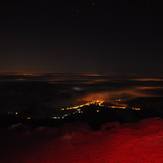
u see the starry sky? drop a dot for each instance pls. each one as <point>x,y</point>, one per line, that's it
<point>114,37</point>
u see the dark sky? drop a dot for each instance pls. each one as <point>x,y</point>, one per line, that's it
<point>99,36</point>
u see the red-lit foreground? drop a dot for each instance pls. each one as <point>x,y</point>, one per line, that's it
<point>132,143</point>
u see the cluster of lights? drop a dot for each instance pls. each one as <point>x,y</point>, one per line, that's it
<point>136,108</point>
<point>96,102</point>
<point>125,107</point>
<point>62,117</point>
<point>78,109</point>
<point>117,104</point>
<point>120,104</point>
<point>21,115</point>
<point>118,107</point>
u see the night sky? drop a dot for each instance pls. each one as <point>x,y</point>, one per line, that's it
<point>114,37</point>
